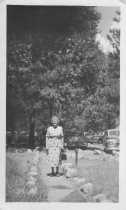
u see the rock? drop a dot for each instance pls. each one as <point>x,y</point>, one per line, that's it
<point>71,173</point>
<point>64,167</point>
<point>98,152</point>
<point>29,151</point>
<point>32,173</point>
<point>99,198</point>
<point>31,178</point>
<point>115,153</point>
<point>37,148</point>
<point>32,191</point>
<point>87,188</point>
<point>16,150</point>
<point>30,183</point>
<point>80,180</point>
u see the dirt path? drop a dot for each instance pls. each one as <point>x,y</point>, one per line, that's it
<point>58,187</point>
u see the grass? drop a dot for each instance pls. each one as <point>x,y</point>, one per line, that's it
<point>16,172</point>
<point>74,196</point>
<point>103,174</point>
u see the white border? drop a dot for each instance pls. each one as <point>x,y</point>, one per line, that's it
<point>64,2</point>
<point>122,181</point>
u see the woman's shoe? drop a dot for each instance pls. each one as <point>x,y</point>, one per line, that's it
<point>57,174</point>
<point>51,174</point>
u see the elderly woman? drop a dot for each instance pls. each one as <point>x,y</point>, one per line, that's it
<point>54,144</point>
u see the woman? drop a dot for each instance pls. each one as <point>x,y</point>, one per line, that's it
<point>54,144</point>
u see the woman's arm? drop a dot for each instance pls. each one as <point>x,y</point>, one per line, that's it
<point>47,139</point>
<point>62,138</point>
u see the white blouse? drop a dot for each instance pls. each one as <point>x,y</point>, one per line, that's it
<point>51,137</point>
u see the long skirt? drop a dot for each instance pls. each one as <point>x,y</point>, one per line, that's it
<point>53,156</point>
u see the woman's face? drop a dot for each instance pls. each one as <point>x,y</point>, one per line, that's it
<point>55,123</point>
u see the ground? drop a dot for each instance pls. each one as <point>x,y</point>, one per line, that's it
<point>17,165</point>
<point>102,170</point>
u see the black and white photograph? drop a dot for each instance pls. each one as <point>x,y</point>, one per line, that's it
<point>62,103</point>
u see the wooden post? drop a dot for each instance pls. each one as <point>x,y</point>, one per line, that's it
<point>76,156</point>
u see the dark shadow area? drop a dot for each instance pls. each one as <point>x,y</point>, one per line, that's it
<point>54,175</point>
<point>93,148</point>
<point>61,187</point>
<point>86,148</point>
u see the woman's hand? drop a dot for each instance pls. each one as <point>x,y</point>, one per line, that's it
<point>47,152</point>
<point>60,136</point>
<point>61,149</point>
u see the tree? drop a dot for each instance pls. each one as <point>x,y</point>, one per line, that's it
<point>102,108</point>
<point>54,71</point>
<point>114,67</point>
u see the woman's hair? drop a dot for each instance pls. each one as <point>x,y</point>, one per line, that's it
<point>55,119</point>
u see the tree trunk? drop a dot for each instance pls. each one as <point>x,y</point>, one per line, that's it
<point>109,121</point>
<point>32,128</point>
<point>51,109</point>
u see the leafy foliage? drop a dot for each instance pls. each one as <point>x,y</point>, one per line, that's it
<point>60,72</point>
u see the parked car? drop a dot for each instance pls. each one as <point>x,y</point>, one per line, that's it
<point>91,137</point>
<point>95,138</point>
<point>100,137</point>
<point>112,140</point>
<point>75,139</point>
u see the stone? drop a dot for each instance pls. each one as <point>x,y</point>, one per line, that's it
<point>64,166</point>
<point>87,188</point>
<point>29,151</point>
<point>36,148</point>
<point>32,191</point>
<point>31,178</point>
<point>80,180</point>
<point>30,183</point>
<point>115,153</point>
<point>32,173</point>
<point>98,152</point>
<point>71,173</point>
<point>98,197</point>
